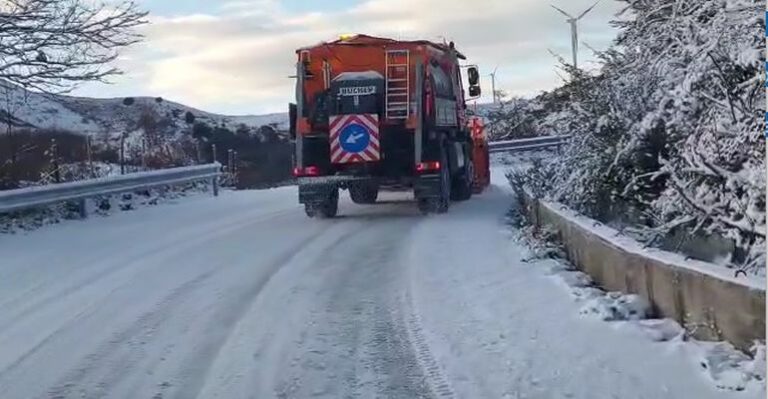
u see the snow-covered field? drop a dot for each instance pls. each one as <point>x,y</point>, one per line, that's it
<point>241,296</point>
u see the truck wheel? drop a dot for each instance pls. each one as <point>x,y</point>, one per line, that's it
<point>310,210</point>
<point>330,207</point>
<point>461,189</point>
<point>444,201</point>
<point>427,205</point>
<point>327,209</point>
<point>364,193</point>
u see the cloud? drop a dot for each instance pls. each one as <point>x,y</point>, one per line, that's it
<point>238,57</point>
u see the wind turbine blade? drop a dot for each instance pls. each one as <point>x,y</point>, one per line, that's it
<point>587,10</point>
<point>495,69</point>
<point>592,49</point>
<point>562,12</point>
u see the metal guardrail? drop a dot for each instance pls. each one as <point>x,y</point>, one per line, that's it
<point>529,144</point>
<point>35,197</point>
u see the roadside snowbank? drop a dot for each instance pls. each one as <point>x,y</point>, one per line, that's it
<point>724,365</point>
<point>22,221</point>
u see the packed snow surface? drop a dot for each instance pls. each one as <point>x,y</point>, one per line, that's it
<point>242,296</point>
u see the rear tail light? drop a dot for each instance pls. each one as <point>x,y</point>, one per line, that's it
<point>430,166</point>
<point>312,171</point>
<point>306,172</point>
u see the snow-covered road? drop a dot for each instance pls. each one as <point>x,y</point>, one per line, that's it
<point>244,297</point>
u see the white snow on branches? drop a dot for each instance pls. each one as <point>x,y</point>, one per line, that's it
<point>669,134</point>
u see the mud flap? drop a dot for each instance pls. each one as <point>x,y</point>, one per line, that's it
<point>458,158</point>
<point>316,193</point>
<point>427,186</point>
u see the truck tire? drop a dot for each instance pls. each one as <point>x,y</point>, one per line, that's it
<point>427,205</point>
<point>461,189</point>
<point>310,210</point>
<point>327,209</point>
<point>364,193</point>
<point>443,202</point>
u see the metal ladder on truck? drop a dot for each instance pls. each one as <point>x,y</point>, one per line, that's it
<point>397,84</point>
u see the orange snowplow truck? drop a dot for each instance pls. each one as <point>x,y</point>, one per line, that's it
<point>374,113</point>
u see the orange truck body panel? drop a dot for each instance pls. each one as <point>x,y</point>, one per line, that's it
<point>362,53</point>
<point>480,154</point>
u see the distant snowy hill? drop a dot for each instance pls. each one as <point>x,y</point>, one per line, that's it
<point>111,117</point>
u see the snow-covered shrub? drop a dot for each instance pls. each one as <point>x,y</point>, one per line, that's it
<point>542,243</point>
<point>727,367</point>
<point>513,119</point>
<point>536,179</point>
<point>668,135</point>
<point>14,222</point>
<point>615,306</point>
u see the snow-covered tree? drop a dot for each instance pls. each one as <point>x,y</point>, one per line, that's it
<point>512,118</point>
<point>670,132</point>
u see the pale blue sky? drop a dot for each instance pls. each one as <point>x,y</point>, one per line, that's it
<point>234,56</point>
<point>183,7</point>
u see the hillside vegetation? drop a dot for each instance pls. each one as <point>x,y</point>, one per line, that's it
<point>668,136</point>
<point>44,132</point>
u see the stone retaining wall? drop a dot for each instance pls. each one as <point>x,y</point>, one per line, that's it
<point>708,299</point>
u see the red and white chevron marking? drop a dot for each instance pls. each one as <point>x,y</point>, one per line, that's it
<point>371,153</point>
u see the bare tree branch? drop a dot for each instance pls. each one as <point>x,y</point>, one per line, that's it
<point>54,45</point>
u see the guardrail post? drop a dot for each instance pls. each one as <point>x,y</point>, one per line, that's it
<point>234,167</point>
<point>144,153</point>
<point>89,153</point>
<point>215,180</point>
<point>83,208</point>
<point>122,154</point>
<point>230,163</point>
<point>55,161</point>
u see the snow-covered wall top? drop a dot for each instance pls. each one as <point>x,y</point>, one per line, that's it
<point>756,282</point>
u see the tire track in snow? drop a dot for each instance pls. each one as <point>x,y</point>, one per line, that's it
<point>187,241</point>
<point>255,360</point>
<point>327,326</point>
<point>74,320</point>
<point>100,359</point>
<point>436,380</point>
<point>438,383</point>
<point>117,357</point>
<point>356,343</point>
<point>198,365</point>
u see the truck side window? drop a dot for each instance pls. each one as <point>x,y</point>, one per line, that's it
<point>443,84</point>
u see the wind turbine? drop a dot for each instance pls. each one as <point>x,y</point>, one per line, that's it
<point>493,83</point>
<point>575,31</point>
